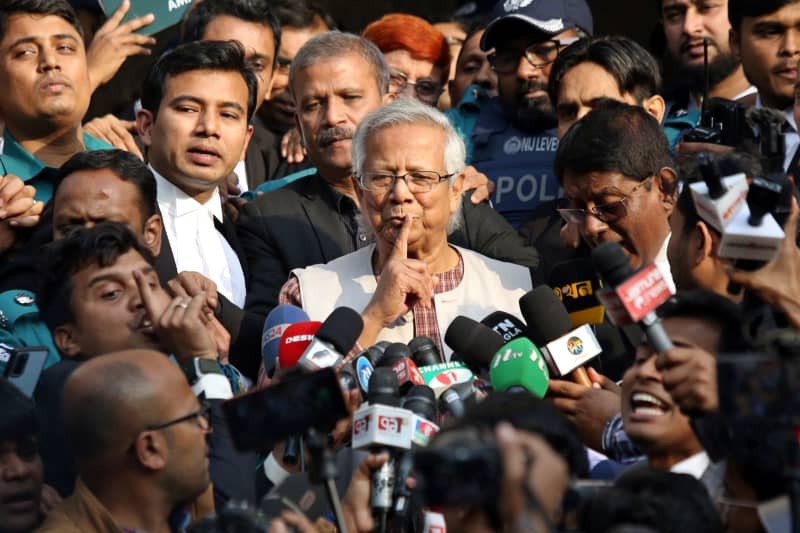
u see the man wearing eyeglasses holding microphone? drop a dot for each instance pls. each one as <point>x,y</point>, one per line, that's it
<point>514,137</point>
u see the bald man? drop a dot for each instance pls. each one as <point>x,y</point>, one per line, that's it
<point>140,441</point>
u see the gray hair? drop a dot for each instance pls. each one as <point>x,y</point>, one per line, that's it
<point>410,111</point>
<point>334,45</point>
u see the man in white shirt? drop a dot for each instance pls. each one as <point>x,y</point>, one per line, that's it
<point>197,102</point>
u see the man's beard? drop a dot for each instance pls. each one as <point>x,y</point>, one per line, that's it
<point>533,114</point>
<point>692,77</point>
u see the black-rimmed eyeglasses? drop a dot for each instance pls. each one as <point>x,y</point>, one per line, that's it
<point>539,55</point>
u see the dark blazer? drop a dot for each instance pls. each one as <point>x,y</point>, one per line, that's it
<point>263,161</point>
<point>290,228</point>
<point>244,354</point>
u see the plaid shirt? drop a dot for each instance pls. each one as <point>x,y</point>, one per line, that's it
<point>425,323</point>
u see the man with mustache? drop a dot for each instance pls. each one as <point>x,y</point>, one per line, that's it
<point>686,24</point>
<point>337,79</point>
<point>514,139</point>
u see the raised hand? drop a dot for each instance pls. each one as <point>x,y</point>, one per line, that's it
<point>181,325</point>
<point>403,283</point>
<point>114,42</point>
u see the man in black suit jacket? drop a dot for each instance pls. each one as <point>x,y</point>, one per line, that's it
<point>197,102</point>
<point>337,79</point>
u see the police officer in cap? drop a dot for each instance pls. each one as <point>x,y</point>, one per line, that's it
<point>514,137</point>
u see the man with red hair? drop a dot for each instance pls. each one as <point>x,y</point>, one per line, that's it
<point>417,53</point>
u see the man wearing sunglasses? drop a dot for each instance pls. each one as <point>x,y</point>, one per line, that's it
<point>514,138</point>
<point>140,439</point>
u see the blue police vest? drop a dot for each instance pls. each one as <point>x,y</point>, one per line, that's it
<point>520,164</point>
<point>20,326</point>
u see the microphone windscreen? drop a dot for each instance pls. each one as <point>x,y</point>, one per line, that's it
<point>575,283</point>
<point>294,341</point>
<point>341,329</point>
<point>475,342</point>
<point>393,352</point>
<point>384,388</point>
<point>611,263</point>
<point>274,325</point>
<point>424,351</point>
<point>421,400</point>
<point>545,314</point>
<point>505,324</point>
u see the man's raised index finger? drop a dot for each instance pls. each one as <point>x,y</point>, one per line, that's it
<point>401,244</point>
<point>147,295</point>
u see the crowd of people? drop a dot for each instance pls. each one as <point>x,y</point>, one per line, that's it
<point>496,272</point>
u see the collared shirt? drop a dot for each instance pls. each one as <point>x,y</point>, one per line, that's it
<point>19,162</point>
<point>196,244</point>
<point>662,262</point>
<point>349,217</point>
<point>241,176</point>
<point>425,323</point>
<point>695,465</point>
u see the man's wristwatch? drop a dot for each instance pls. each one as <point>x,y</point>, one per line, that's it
<point>207,380</point>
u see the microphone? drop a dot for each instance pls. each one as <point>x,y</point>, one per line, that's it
<point>550,327</point>
<point>473,341</point>
<point>504,324</point>
<point>421,401</point>
<point>518,365</point>
<point>717,199</point>
<point>640,293</point>
<point>336,336</point>
<point>575,283</point>
<point>274,325</point>
<point>382,425</point>
<point>294,341</point>
<point>363,367</point>
<point>424,351</point>
<point>398,357</point>
<point>452,400</point>
<point>753,233</point>
<point>444,375</point>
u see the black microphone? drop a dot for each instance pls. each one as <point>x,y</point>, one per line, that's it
<point>505,324</point>
<point>398,357</point>
<point>548,320</point>
<point>452,401</point>
<point>474,342</point>
<point>420,400</point>
<point>612,264</point>
<point>384,390</point>
<point>336,336</point>
<point>424,351</point>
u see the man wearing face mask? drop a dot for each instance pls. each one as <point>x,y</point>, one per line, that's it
<point>514,137</point>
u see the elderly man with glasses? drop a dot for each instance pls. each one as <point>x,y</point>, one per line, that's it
<point>411,281</point>
<point>514,139</point>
